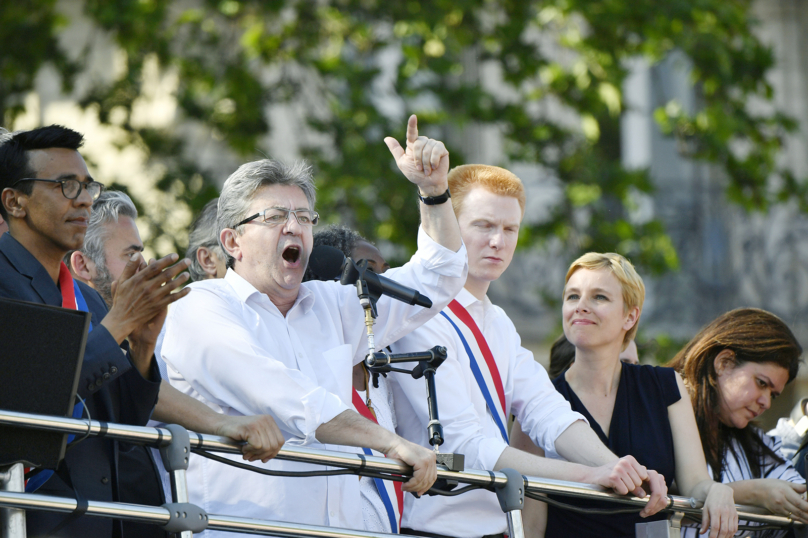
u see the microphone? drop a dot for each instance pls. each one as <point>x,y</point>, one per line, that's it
<point>326,262</point>
<point>329,263</point>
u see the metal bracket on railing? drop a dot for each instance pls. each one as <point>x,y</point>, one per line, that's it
<point>185,517</point>
<point>12,520</point>
<point>676,524</point>
<point>666,528</point>
<point>511,498</point>
<point>175,459</point>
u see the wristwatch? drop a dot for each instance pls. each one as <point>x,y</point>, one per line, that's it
<point>435,200</point>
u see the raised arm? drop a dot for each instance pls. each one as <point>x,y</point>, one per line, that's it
<point>425,162</point>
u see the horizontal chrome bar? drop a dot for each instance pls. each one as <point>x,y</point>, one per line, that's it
<point>161,437</point>
<point>135,512</point>
<point>291,530</point>
<point>160,516</point>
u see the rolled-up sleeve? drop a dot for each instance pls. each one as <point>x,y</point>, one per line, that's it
<point>543,413</point>
<point>217,353</point>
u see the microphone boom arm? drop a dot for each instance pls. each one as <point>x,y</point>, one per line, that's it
<point>380,362</point>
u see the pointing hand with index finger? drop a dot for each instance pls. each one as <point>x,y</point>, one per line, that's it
<point>425,162</point>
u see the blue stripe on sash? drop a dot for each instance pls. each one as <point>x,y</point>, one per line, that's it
<point>388,505</point>
<point>81,304</point>
<point>478,375</point>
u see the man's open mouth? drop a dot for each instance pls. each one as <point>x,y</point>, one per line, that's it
<point>291,254</point>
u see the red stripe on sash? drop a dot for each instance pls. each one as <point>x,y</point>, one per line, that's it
<point>362,409</point>
<point>66,287</point>
<point>462,314</point>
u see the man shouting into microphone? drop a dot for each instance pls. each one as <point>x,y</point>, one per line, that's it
<point>260,342</point>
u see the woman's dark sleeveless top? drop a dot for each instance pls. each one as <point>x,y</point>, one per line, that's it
<point>640,428</point>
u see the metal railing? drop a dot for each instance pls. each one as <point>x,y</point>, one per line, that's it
<point>500,482</point>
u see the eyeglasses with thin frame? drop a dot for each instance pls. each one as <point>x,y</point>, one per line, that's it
<point>71,188</point>
<point>274,216</point>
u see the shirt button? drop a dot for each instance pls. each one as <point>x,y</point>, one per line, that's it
<point>104,479</point>
<point>333,513</point>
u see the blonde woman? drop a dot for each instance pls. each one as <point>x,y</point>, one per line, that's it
<point>634,409</point>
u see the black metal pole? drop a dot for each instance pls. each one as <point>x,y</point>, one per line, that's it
<point>434,428</point>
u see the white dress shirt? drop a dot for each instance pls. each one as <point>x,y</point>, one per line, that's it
<point>227,345</point>
<point>468,427</point>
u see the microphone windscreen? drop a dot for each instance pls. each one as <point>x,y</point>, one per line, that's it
<point>326,262</point>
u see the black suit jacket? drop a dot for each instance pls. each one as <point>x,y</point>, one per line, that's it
<point>113,391</point>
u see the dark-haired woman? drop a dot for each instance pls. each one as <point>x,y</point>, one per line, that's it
<point>733,368</point>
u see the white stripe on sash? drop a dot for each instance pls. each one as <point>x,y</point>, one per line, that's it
<point>482,363</point>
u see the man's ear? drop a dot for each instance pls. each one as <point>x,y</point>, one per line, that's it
<point>82,267</point>
<point>230,241</point>
<point>206,260</point>
<point>724,361</point>
<point>15,203</point>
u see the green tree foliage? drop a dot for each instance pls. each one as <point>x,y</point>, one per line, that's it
<point>364,58</point>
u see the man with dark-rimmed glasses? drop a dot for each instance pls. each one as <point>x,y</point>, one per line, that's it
<point>47,193</point>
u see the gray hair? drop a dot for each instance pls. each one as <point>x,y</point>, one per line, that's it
<point>108,207</point>
<point>203,234</point>
<point>240,187</point>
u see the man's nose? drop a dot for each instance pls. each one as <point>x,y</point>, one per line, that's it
<point>84,198</point>
<point>291,226</point>
<point>495,241</point>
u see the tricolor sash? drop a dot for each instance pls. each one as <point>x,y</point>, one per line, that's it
<point>390,492</point>
<point>74,300</point>
<point>485,371</point>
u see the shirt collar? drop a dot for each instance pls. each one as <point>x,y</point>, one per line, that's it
<point>244,291</point>
<point>466,299</point>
